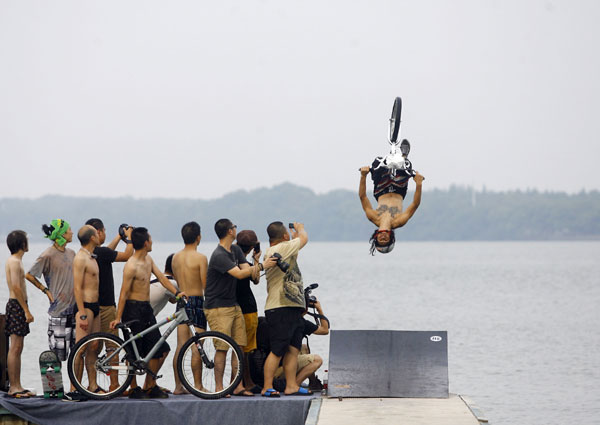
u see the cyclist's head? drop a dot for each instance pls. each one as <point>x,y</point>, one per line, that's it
<point>382,241</point>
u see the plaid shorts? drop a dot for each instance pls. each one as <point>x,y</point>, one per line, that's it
<point>61,335</point>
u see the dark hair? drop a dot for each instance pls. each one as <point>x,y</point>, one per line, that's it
<point>169,264</point>
<point>47,229</point>
<point>96,223</point>
<point>276,230</point>
<point>190,232</point>
<point>375,243</point>
<point>85,234</point>
<point>139,236</point>
<point>222,226</point>
<point>16,241</point>
<point>245,248</point>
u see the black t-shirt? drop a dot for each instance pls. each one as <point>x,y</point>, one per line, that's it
<point>245,297</point>
<point>220,285</point>
<point>105,258</point>
<point>309,327</point>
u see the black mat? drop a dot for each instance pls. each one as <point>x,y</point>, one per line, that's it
<point>176,410</point>
<point>388,364</point>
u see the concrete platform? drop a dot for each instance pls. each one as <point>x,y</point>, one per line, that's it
<point>406,411</point>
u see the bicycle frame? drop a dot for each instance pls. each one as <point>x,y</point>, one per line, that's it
<point>179,317</point>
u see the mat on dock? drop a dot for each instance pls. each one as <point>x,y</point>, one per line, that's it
<point>176,410</point>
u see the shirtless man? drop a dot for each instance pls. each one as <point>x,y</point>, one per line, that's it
<point>87,309</point>
<point>389,191</point>
<point>134,304</point>
<point>18,316</point>
<point>189,270</point>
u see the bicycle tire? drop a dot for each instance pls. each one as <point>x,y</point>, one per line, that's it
<point>395,120</point>
<point>88,343</point>
<point>231,377</point>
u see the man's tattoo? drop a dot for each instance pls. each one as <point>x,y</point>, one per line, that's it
<point>384,208</point>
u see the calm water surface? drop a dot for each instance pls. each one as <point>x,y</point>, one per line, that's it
<point>522,317</point>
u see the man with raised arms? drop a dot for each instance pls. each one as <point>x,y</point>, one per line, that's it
<point>18,316</point>
<point>189,269</point>
<point>389,191</point>
<point>134,304</point>
<point>87,309</point>
<point>105,257</point>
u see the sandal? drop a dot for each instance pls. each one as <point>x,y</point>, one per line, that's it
<point>22,394</point>
<point>272,393</point>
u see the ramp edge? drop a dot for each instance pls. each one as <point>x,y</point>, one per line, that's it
<point>312,418</point>
<point>475,410</point>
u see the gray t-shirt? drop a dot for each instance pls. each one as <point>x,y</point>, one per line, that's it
<point>57,268</point>
<point>220,285</point>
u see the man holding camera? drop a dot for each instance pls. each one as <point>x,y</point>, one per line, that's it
<point>285,306</point>
<point>228,264</point>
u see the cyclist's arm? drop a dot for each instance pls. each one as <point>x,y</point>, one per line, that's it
<point>412,208</point>
<point>364,200</point>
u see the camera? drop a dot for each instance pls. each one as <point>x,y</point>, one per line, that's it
<point>291,226</point>
<point>308,298</point>
<point>283,266</point>
<point>122,229</point>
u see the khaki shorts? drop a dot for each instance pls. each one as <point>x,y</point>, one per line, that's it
<point>108,313</point>
<point>303,361</point>
<point>227,320</point>
<point>251,321</point>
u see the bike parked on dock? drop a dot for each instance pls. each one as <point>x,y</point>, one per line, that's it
<point>196,364</point>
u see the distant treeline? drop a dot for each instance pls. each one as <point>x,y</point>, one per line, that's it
<point>459,213</point>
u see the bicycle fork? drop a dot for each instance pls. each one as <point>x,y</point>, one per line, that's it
<point>205,360</point>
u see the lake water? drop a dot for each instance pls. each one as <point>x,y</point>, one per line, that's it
<point>522,317</point>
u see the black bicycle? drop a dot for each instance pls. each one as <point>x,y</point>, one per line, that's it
<point>102,365</point>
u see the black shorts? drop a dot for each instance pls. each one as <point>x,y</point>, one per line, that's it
<point>385,182</point>
<point>142,312</point>
<point>286,327</point>
<point>16,323</point>
<point>94,307</point>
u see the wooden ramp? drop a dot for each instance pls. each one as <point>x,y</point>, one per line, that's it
<point>406,411</point>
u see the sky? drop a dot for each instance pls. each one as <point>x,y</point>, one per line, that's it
<point>196,99</point>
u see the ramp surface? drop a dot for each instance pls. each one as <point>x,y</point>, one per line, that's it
<point>388,364</point>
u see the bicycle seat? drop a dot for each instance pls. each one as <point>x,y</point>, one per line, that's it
<point>126,325</point>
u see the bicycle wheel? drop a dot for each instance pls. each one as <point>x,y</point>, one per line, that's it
<point>223,362</point>
<point>87,371</point>
<point>395,120</point>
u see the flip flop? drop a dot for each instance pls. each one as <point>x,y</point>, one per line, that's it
<point>272,393</point>
<point>99,390</point>
<point>243,393</point>
<point>22,394</point>
<point>302,391</point>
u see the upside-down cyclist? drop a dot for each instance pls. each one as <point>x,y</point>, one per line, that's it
<point>389,189</point>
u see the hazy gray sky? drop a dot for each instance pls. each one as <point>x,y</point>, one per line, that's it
<point>197,99</point>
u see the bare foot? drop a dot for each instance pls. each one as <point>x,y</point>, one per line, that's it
<point>180,391</point>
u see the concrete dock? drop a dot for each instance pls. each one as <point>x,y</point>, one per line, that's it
<point>453,410</point>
